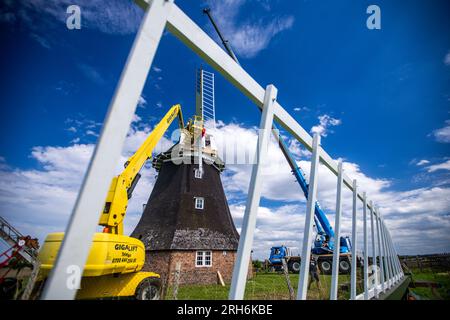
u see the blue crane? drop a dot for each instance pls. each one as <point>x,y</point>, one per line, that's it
<point>324,242</point>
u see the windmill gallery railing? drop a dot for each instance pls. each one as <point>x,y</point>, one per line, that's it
<point>164,14</point>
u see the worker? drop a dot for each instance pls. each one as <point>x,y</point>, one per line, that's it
<point>189,125</point>
<point>325,242</point>
<point>313,273</point>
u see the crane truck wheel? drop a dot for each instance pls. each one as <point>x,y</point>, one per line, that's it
<point>148,289</point>
<point>294,266</point>
<point>344,266</point>
<point>325,266</point>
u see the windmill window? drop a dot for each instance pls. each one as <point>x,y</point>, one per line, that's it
<point>203,259</point>
<point>198,174</point>
<point>199,203</point>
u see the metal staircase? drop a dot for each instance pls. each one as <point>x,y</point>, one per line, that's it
<point>17,240</point>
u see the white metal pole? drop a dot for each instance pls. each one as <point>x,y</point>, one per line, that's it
<point>388,256</point>
<point>366,249</point>
<point>354,269</point>
<point>399,264</point>
<point>89,204</point>
<point>337,236</point>
<point>396,260</point>
<point>381,253</point>
<point>374,251</point>
<point>240,270</point>
<point>385,253</point>
<point>391,255</point>
<point>309,219</point>
<point>386,268</point>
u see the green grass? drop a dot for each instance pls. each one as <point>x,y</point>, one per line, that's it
<point>264,286</point>
<point>443,278</point>
<point>272,286</point>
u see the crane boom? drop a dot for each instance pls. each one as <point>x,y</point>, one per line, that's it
<point>122,186</point>
<point>323,225</point>
<point>230,52</point>
<point>321,221</point>
<point>319,215</point>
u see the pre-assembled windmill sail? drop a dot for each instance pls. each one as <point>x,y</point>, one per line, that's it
<point>204,98</point>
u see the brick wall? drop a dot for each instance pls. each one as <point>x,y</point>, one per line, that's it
<point>164,263</point>
<point>157,261</point>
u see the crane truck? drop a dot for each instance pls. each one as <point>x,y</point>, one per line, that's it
<point>324,242</point>
<point>115,261</point>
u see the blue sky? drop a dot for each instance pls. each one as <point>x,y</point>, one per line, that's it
<point>380,98</point>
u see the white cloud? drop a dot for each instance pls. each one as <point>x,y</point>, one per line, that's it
<point>39,201</point>
<point>417,218</point>
<point>247,37</point>
<point>91,133</point>
<point>91,73</point>
<point>41,40</point>
<point>298,109</point>
<point>447,59</point>
<point>156,69</point>
<point>441,166</point>
<point>325,122</point>
<point>422,162</point>
<point>82,129</point>
<point>117,17</point>
<point>282,225</point>
<point>443,134</point>
<point>142,102</point>
<point>136,118</point>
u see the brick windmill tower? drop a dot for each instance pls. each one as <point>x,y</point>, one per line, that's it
<point>187,219</point>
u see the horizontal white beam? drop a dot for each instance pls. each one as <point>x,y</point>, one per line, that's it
<point>181,26</point>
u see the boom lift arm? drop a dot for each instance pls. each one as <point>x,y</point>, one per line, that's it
<point>122,186</point>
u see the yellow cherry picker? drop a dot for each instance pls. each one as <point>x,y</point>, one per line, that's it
<point>113,268</point>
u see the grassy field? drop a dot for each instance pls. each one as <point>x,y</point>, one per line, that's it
<point>264,286</point>
<point>272,286</point>
<point>443,278</point>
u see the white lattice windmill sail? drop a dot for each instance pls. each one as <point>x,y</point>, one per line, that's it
<point>205,103</point>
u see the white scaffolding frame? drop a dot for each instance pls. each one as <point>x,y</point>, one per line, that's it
<point>164,14</point>
<point>337,236</point>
